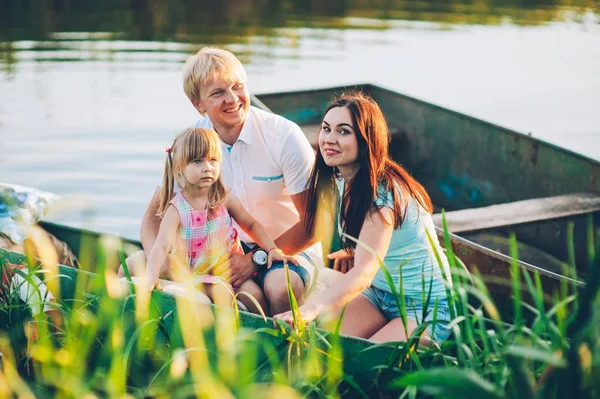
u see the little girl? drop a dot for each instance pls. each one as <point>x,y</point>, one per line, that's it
<point>196,224</point>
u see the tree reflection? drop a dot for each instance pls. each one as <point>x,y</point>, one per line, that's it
<point>183,20</point>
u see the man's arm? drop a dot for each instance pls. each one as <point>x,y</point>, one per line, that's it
<point>293,241</point>
<point>150,223</point>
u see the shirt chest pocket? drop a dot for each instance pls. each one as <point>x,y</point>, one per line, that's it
<point>266,186</point>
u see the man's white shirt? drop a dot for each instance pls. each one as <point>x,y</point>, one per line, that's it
<point>270,161</point>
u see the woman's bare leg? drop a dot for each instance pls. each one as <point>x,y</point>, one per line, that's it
<point>394,331</point>
<point>361,318</point>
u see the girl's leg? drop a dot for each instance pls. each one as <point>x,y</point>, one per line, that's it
<point>395,331</point>
<point>361,318</point>
<point>221,294</point>
<point>136,263</point>
<point>253,289</point>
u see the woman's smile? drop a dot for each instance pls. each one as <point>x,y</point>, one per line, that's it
<point>330,152</point>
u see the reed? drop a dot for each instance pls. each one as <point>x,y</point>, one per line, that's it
<point>112,340</point>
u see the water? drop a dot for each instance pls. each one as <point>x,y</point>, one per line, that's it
<point>90,95</point>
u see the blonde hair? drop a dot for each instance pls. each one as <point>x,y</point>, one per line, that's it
<point>189,145</point>
<point>208,63</point>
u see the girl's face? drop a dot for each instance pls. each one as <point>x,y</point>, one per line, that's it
<point>337,141</point>
<point>202,173</point>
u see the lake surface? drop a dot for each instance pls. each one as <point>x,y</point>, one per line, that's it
<point>90,95</point>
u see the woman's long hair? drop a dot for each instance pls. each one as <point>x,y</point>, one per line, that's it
<point>189,145</point>
<point>377,174</point>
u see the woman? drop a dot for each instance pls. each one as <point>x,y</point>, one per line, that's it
<point>388,211</point>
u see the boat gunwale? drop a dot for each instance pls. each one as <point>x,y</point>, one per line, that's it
<point>438,107</point>
<point>505,258</point>
<point>463,241</point>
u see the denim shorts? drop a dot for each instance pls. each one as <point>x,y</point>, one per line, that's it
<point>299,270</point>
<point>385,302</point>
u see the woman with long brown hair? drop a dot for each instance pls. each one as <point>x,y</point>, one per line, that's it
<point>383,213</point>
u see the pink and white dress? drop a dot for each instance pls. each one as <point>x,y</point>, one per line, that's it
<point>206,237</point>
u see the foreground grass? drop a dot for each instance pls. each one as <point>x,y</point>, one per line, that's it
<point>111,340</point>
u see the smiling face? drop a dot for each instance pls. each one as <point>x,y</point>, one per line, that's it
<point>226,101</point>
<point>337,141</point>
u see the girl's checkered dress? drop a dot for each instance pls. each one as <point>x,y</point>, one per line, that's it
<point>206,236</point>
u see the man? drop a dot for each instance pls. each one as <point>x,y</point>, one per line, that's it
<point>266,164</point>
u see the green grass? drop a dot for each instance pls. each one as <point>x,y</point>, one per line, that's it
<point>113,342</point>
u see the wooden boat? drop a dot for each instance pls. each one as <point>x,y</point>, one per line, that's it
<point>490,181</point>
<point>363,362</point>
<point>472,169</point>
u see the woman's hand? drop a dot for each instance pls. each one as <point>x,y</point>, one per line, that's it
<point>277,254</point>
<point>343,261</point>
<point>307,314</point>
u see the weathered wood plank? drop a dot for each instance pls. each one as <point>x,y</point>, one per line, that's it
<point>520,212</point>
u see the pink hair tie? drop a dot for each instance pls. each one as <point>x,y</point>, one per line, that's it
<point>169,150</point>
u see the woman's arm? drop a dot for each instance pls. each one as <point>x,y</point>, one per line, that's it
<point>375,234</point>
<point>296,238</point>
<point>165,240</point>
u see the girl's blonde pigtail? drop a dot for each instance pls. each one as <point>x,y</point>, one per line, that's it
<point>166,191</point>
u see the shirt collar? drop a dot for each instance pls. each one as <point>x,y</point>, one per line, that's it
<point>246,132</point>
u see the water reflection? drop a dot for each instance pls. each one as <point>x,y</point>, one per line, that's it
<point>166,31</point>
<point>198,20</point>
<point>90,91</point>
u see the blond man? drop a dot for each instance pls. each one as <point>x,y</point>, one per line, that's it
<point>266,164</point>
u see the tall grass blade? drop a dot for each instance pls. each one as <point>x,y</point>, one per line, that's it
<point>450,383</point>
<point>591,249</point>
<point>583,314</point>
<point>516,279</point>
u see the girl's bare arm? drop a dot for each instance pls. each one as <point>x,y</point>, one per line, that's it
<point>165,241</point>
<point>250,225</point>
<point>256,231</point>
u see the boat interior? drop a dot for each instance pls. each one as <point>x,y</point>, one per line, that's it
<point>489,181</point>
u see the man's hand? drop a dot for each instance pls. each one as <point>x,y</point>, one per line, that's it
<point>240,269</point>
<point>343,261</point>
